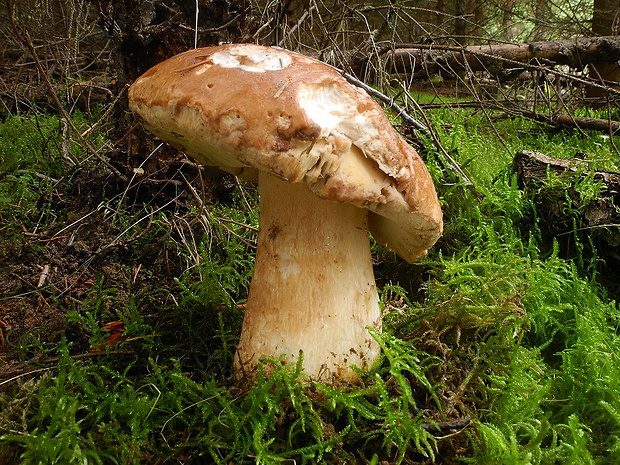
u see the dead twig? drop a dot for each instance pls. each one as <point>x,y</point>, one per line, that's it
<point>43,277</point>
<point>27,42</point>
<point>14,375</point>
<point>443,427</point>
<point>3,328</point>
<point>105,115</point>
<point>444,156</point>
<point>208,217</point>
<point>401,113</point>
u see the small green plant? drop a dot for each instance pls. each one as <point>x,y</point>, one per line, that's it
<point>35,153</point>
<point>506,330</point>
<point>96,412</point>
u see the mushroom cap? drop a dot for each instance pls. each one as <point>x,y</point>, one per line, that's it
<point>247,108</point>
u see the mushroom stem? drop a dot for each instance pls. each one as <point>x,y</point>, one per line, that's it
<point>313,287</point>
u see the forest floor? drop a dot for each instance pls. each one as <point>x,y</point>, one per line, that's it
<point>121,301</point>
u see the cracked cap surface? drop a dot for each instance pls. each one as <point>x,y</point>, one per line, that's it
<point>247,108</point>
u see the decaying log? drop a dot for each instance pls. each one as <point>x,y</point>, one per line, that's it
<point>423,60</point>
<point>532,167</point>
<point>580,122</point>
<point>559,207</point>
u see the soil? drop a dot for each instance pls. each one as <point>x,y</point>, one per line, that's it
<point>45,274</point>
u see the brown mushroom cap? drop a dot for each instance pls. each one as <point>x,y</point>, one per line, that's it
<point>247,108</point>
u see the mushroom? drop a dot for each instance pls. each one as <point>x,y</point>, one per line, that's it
<point>329,168</point>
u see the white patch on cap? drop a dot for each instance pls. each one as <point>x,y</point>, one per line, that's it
<point>253,59</point>
<point>350,144</point>
<point>335,111</point>
<point>326,105</point>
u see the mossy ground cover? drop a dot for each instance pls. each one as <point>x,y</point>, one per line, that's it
<point>498,347</point>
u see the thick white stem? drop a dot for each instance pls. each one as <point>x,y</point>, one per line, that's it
<point>313,287</point>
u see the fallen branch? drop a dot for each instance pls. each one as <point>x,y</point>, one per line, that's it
<point>558,119</point>
<point>423,60</point>
<point>443,427</point>
<point>386,100</point>
<point>447,161</point>
<point>579,122</point>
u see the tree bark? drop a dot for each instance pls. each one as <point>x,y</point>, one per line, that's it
<point>604,23</point>
<point>422,60</point>
<point>460,25</point>
<point>507,23</point>
<point>542,13</point>
<point>145,32</point>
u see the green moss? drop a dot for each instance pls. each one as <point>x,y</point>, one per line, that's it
<point>505,330</point>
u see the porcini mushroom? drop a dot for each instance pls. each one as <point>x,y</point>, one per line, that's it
<point>329,167</point>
